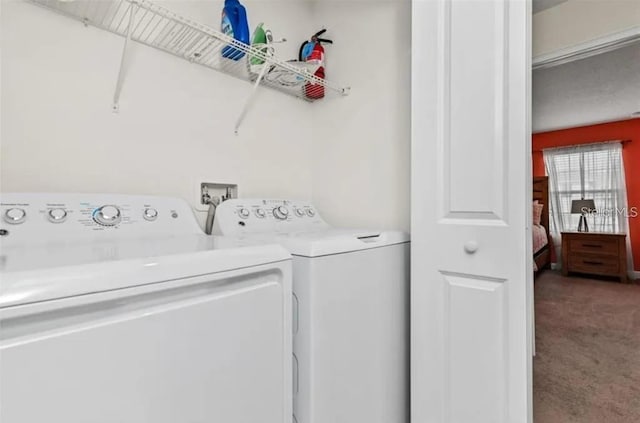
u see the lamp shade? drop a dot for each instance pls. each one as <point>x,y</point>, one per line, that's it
<point>582,206</point>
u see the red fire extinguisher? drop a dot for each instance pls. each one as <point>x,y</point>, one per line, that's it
<point>312,51</point>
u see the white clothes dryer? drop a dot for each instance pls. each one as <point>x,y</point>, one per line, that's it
<point>120,309</point>
<point>351,310</point>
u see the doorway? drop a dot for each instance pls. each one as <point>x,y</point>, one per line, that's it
<point>587,328</point>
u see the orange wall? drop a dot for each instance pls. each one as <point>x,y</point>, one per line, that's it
<point>621,130</point>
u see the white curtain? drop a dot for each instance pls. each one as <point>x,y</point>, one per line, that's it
<point>591,171</point>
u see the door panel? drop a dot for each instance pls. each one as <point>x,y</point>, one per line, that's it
<point>476,146</point>
<point>471,247</point>
<point>475,316</point>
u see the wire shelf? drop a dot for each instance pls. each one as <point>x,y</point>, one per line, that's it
<point>160,28</point>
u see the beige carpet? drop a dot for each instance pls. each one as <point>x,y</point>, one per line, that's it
<point>587,366</point>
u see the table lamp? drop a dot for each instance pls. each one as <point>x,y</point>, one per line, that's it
<point>582,207</point>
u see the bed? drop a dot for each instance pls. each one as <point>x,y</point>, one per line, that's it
<point>541,237</point>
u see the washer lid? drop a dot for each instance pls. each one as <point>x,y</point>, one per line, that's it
<point>328,242</point>
<point>38,273</point>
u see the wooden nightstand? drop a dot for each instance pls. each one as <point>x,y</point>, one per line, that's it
<point>595,253</point>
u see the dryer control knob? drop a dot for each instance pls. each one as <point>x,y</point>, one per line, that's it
<point>57,215</point>
<point>299,212</point>
<point>150,214</point>
<point>107,215</point>
<point>281,212</point>
<point>261,213</point>
<point>244,213</point>
<point>15,216</point>
<point>311,212</point>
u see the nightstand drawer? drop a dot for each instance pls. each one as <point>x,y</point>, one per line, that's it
<point>595,245</point>
<point>593,263</point>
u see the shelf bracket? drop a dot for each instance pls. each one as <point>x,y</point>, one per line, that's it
<point>123,60</point>
<point>247,104</point>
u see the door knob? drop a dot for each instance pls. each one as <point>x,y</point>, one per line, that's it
<point>471,247</point>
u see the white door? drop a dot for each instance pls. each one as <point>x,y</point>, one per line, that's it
<point>471,249</point>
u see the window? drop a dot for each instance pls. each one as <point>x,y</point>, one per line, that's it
<point>593,171</point>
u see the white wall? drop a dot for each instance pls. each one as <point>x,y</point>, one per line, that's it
<point>175,125</point>
<point>578,21</point>
<point>540,5</point>
<point>361,168</point>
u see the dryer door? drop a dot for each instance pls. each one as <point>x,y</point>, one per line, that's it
<point>214,348</point>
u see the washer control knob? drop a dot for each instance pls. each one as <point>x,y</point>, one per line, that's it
<point>299,212</point>
<point>311,212</point>
<point>15,216</point>
<point>261,213</point>
<point>150,214</point>
<point>107,215</point>
<point>244,213</point>
<point>57,215</point>
<point>281,212</point>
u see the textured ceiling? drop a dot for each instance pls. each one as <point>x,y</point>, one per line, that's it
<point>600,88</point>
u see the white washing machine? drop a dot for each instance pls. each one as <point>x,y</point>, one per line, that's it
<point>119,309</point>
<point>351,310</point>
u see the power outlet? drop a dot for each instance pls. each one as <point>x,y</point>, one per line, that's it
<point>213,191</point>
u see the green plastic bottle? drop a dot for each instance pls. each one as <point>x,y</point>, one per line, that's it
<point>259,40</point>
